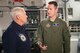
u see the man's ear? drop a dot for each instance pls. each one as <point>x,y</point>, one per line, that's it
<point>17,17</point>
<point>57,10</point>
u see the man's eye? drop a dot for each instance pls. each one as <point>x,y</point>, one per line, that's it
<point>50,9</point>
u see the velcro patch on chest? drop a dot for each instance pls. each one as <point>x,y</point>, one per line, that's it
<point>22,37</point>
<point>56,24</point>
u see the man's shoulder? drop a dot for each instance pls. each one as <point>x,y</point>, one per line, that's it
<point>61,21</point>
<point>44,21</point>
<point>8,31</point>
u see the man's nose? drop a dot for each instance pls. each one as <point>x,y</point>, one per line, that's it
<point>26,16</point>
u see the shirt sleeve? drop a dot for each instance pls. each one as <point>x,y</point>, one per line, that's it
<point>9,42</point>
<point>66,39</point>
<point>39,33</point>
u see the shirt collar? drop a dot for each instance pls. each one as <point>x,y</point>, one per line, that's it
<point>17,26</point>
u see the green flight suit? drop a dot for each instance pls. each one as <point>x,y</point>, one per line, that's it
<point>55,35</point>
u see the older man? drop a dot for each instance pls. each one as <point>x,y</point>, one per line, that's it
<point>14,38</point>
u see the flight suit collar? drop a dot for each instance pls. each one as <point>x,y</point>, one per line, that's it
<point>54,20</point>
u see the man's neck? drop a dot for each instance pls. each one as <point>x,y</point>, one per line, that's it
<point>53,18</point>
<point>19,23</point>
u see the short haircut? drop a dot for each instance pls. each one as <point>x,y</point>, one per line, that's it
<point>54,3</point>
<point>15,11</point>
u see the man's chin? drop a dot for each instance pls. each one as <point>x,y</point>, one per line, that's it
<point>26,22</point>
<point>49,16</point>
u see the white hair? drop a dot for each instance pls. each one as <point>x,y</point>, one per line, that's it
<point>16,11</point>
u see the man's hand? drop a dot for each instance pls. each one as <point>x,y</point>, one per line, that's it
<point>43,47</point>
